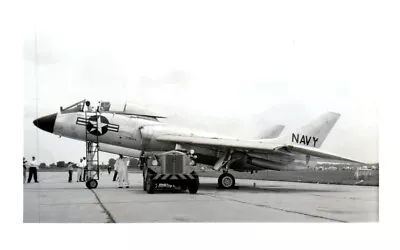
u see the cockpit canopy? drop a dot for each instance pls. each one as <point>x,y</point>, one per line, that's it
<point>105,106</point>
<point>76,107</point>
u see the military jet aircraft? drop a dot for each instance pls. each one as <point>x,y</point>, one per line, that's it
<point>135,130</point>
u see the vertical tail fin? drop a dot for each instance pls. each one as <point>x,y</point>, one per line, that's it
<point>314,133</point>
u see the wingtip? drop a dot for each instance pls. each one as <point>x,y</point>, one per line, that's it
<point>334,113</point>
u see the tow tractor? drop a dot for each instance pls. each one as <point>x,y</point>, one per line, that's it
<point>172,168</point>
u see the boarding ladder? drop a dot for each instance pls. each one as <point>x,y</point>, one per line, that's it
<point>92,169</point>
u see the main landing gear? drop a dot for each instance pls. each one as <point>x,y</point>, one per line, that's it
<point>226,181</point>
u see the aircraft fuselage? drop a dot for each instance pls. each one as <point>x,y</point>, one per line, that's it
<point>113,129</point>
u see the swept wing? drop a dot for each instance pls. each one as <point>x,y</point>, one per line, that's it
<point>251,146</point>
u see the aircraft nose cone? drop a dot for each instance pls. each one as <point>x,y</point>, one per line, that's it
<point>46,123</point>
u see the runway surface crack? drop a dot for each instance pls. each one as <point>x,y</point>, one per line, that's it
<point>109,215</point>
<point>276,208</point>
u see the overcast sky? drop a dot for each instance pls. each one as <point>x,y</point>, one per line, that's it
<point>233,68</point>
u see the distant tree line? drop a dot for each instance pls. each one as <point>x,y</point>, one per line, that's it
<point>111,162</point>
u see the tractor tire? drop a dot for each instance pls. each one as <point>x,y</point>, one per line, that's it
<point>194,185</point>
<point>150,185</point>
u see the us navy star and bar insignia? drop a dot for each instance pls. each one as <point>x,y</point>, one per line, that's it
<point>97,125</point>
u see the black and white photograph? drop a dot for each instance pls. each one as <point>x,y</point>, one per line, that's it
<point>200,112</point>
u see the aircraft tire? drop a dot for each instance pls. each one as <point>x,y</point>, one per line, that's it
<point>226,181</point>
<point>91,184</point>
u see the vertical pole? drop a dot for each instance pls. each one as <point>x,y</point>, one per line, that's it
<point>86,135</point>
<point>37,97</point>
<point>97,145</point>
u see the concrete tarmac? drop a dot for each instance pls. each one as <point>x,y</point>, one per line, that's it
<point>54,200</point>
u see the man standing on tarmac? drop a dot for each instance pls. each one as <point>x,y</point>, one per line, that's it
<point>25,162</point>
<point>79,171</point>
<point>33,167</point>
<point>85,167</point>
<point>122,167</point>
<point>115,172</point>
<point>70,171</point>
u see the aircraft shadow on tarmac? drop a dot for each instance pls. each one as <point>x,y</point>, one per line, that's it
<point>246,189</point>
<point>265,189</point>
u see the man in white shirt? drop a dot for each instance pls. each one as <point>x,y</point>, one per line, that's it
<point>33,167</point>
<point>79,171</point>
<point>84,166</point>
<point>121,166</point>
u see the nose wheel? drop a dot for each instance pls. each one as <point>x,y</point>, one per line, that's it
<point>226,181</point>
